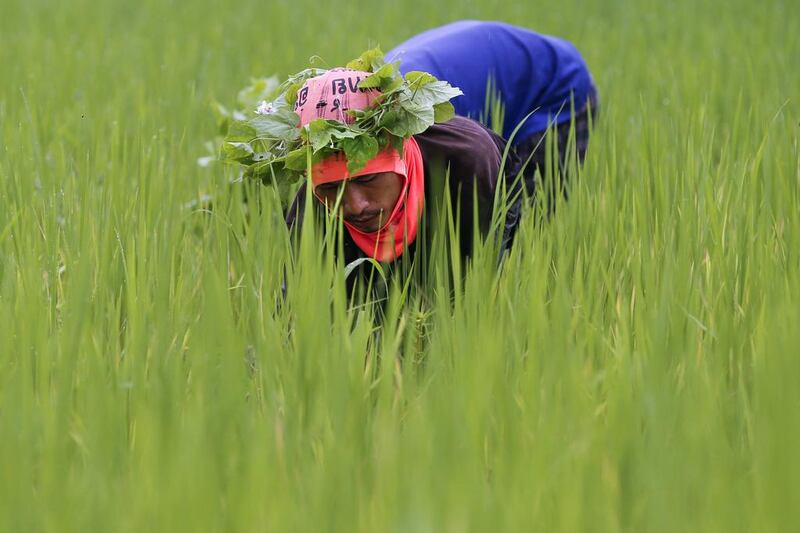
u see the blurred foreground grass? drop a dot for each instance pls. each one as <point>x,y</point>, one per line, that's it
<point>634,367</point>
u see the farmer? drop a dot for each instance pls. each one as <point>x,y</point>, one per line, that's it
<point>531,73</point>
<point>382,203</point>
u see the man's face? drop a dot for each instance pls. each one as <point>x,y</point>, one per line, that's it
<point>367,201</point>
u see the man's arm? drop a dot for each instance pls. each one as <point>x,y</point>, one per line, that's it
<point>474,156</point>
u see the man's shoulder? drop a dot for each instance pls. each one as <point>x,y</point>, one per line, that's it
<point>458,138</point>
<point>458,124</point>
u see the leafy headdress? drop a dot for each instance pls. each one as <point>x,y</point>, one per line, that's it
<point>272,145</point>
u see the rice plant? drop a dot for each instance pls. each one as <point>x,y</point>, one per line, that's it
<point>631,365</point>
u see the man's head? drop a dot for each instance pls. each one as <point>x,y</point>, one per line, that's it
<point>368,197</point>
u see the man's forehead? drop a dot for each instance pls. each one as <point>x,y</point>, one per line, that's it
<point>355,179</point>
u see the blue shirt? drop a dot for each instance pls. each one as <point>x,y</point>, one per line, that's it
<point>529,71</point>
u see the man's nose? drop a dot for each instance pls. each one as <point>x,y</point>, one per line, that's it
<point>354,201</point>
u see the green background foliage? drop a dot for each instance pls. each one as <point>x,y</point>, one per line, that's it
<point>634,366</point>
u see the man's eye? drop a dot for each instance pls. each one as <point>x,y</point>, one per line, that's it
<point>365,179</point>
<point>326,189</point>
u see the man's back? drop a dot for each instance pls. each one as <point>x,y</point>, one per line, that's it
<point>529,70</point>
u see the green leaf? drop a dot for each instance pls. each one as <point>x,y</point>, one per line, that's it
<point>360,114</point>
<point>359,150</point>
<point>237,151</point>
<point>384,78</point>
<point>291,92</point>
<point>275,175</point>
<point>390,84</point>
<point>418,78</point>
<point>319,133</point>
<point>396,142</point>
<point>391,121</point>
<point>322,132</point>
<point>281,125</point>
<point>345,131</point>
<point>443,112</point>
<point>415,110</point>
<point>240,130</point>
<point>418,118</point>
<point>370,61</point>
<point>322,154</point>
<point>265,171</point>
<point>410,118</point>
<point>296,159</point>
<point>237,145</point>
<point>433,93</point>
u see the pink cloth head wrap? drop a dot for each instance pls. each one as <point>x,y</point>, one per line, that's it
<point>331,94</point>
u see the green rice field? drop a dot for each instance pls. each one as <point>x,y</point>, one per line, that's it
<point>633,366</point>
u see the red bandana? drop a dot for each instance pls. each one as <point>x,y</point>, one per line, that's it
<point>400,229</point>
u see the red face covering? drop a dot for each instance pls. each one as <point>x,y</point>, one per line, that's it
<point>400,229</point>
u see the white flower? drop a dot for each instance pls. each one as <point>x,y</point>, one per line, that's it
<point>265,108</point>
